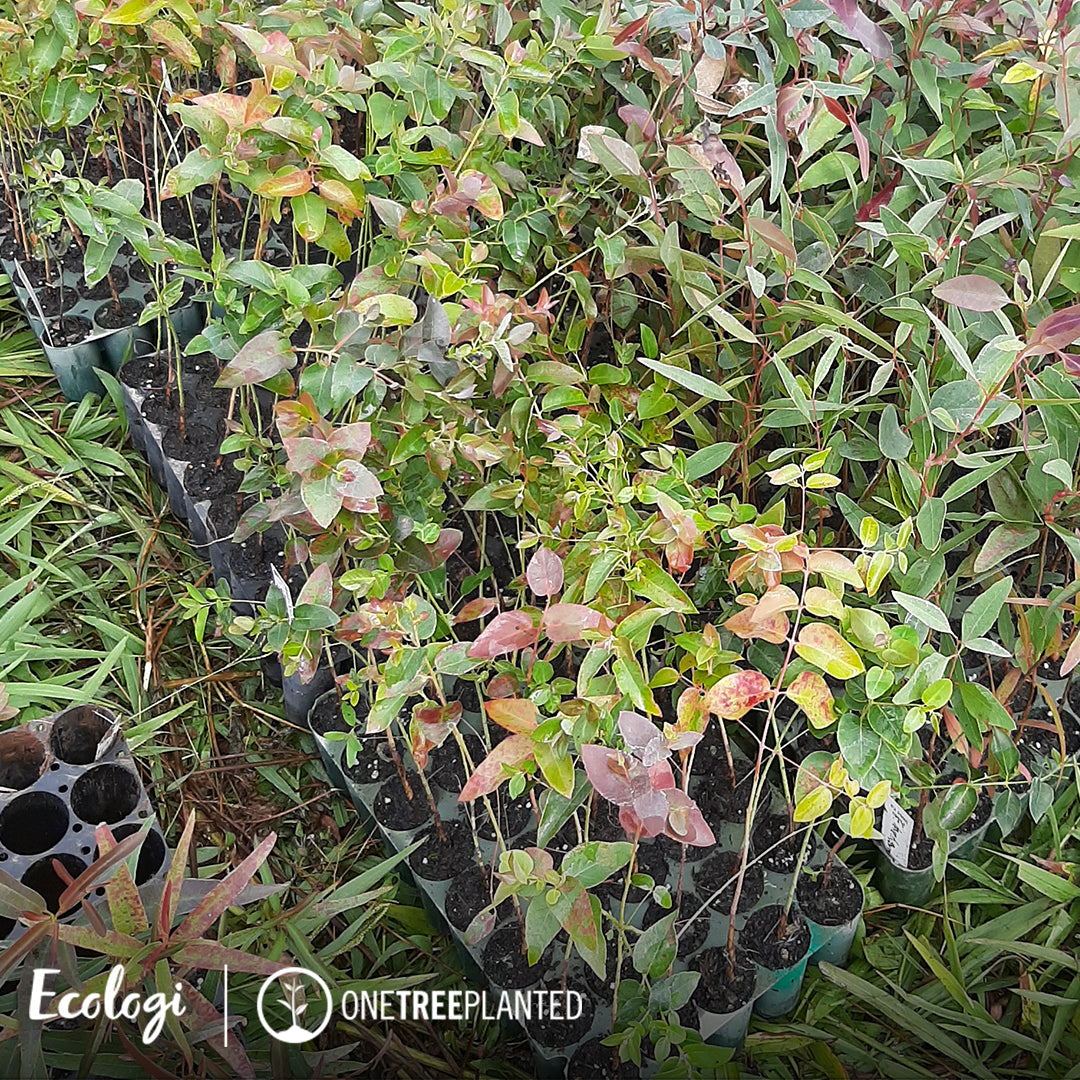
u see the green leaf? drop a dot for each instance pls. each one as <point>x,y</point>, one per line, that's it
<point>556,765</point>
<point>651,580</point>
<point>309,216</point>
<point>698,384</point>
<point>654,950</point>
<point>930,521</point>
<point>928,613</point>
<point>819,644</point>
<point>957,804</point>
<point>1005,540</point>
<point>895,443</point>
<point>983,611</point>
<point>708,460</point>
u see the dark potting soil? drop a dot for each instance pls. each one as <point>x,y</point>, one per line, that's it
<point>212,479</point>
<point>604,823</point>
<point>920,853</point>
<point>469,893</point>
<point>557,1033</point>
<point>504,962</point>
<point>515,815</point>
<point>499,533</point>
<point>718,874</point>
<point>393,809</point>
<point>201,441</point>
<point>833,904</point>
<point>145,372</point>
<point>779,844</point>
<point>445,765</point>
<point>113,316</point>
<point>102,290</point>
<point>440,856</point>
<point>68,330</point>
<point>594,1061</point>
<point>760,937</point>
<point>604,989</point>
<point>253,557</point>
<point>375,762</point>
<point>724,988</point>
<point>691,934</point>
<point>326,715</point>
<point>223,515</point>
<point>564,840</point>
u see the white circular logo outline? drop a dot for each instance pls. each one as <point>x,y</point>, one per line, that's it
<point>287,1035</point>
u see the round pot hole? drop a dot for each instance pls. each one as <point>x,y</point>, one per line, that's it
<point>107,793</point>
<point>33,823</point>
<point>151,854</point>
<point>76,734</point>
<point>22,759</point>
<point>47,883</point>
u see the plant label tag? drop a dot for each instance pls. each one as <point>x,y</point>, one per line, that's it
<point>896,829</point>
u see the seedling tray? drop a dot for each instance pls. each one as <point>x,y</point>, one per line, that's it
<point>60,777</point>
<point>372,781</point>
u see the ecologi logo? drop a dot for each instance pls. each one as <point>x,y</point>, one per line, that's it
<point>283,1005</point>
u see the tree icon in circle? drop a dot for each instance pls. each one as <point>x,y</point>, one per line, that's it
<point>291,986</point>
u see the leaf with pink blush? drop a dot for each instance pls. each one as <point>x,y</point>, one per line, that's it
<point>355,438</point>
<point>319,587</point>
<point>609,773</point>
<point>685,822</point>
<point>475,609</point>
<point>518,715</point>
<point>1057,332</point>
<point>972,292</point>
<point>861,27</point>
<point>506,633</point>
<point>566,622</point>
<point>304,454</point>
<point>544,572</point>
<point>513,752</point>
<point>636,114</point>
<point>811,693</point>
<point>736,694</point>
<point>643,738</point>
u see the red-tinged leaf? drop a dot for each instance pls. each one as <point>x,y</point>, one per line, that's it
<point>220,898</point>
<point>95,874</point>
<point>448,542</point>
<point>174,880</point>
<point>831,564</point>
<point>1058,331</point>
<point>545,572</point>
<point>110,943</point>
<point>121,893</point>
<point>357,485</point>
<point>319,588</point>
<point>736,694</point>
<point>355,438</point>
<point>16,952</point>
<point>609,771</point>
<point>513,752</point>
<point>862,148</point>
<point>212,956</point>
<point>861,27</point>
<point>474,609</point>
<point>972,292</point>
<point>1072,657</point>
<point>811,693</point>
<point>506,633</point>
<point>264,356</point>
<point>981,76</point>
<point>296,182</point>
<point>341,199</point>
<point>773,236</point>
<point>209,1020</point>
<point>819,644</point>
<point>305,454</point>
<point>502,686</point>
<point>566,622</point>
<point>871,210</point>
<point>480,927</point>
<point>749,624</point>
<point>518,715</point>
<point>636,114</point>
<point>1070,364</point>
<point>685,822</point>
<point>632,29</point>
<point>583,925</point>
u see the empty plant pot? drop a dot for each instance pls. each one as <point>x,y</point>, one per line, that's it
<point>78,733</point>
<point>832,909</point>
<point>106,793</point>
<point>781,958</point>
<point>33,823</point>
<point>725,994</point>
<point>48,884</point>
<point>22,759</point>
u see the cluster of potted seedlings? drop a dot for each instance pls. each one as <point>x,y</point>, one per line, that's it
<point>60,777</point>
